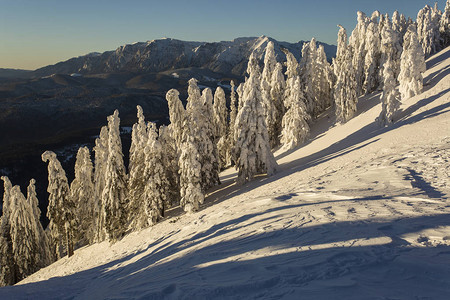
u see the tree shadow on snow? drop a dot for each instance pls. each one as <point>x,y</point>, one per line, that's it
<point>294,261</point>
<point>443,55</point>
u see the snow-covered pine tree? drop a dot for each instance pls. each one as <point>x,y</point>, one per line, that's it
<point>396,22</point>
<point>308,73</point>
<point>114,194</point>
<point>8,272</point>
<point>390,47</point>
<point>200,118</point>
<point>252,139</point>
<point>138,143</point>
<point>277,90</point>
<point>270,62</point>
<point>44,252</point>
<point>61,208</point>
<point>345,89</point>
<point>24,235</point>
<point>428,29</point>
<point>33,200</point>
<point>137,182</point>
<point>191,190</point>
<point>436,16</point>
<point>291,65</point>
<point>220,126</point>
<point>412,65</point>
<point>208,149</point>
<point>323,82</point>
<point>101,157</point>
<point>156,190</point>
<point>170,163</point>
<point>207,110</point>
<point>267,101</point>
<point>390,98</point>
<point>372,58</point>
<point>444,26</point>
<point>341,52</point>
<point>358,43</point>
<point>82,194</point>
<point>295,122</point>
<point>233,113</point>
<point>177,114</point>
<point>171,140</point>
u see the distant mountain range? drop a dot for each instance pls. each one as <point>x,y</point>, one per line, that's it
<point>225,57</point>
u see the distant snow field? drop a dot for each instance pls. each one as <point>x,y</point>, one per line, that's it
<point>357,212</point>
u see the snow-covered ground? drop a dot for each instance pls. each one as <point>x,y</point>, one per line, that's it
<point>360,212</point>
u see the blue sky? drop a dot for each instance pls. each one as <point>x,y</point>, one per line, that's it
<point>35,33</point>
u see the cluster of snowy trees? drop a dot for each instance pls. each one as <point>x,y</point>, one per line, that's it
<point>383,52</point>
<point>24,246</point>
<point>177,164</point>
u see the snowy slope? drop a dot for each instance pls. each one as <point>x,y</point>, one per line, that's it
<point>360,212</point>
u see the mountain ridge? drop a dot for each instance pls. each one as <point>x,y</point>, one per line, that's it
<point>227,57</point>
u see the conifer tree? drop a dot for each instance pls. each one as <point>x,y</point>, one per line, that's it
<point>267,101</point>
<point>114,205</point>
<point>252,139</point>
<point>428,20</point>
<point>171,140</point>
<point>82,194</point>
<point>307,74</point>
<point>220,125</point>
<point>390,97</point>
<point>323,82</point>
<point>199,117</point>
<point>396,22</point>
<point>277,91</point>
<point>177,114</point>
<point>136,180</point>
<point>44,252</point>
<point>170,162</point>
<point>191,190</point>
<point>138,143</point>
<point>412,65</point>
<point>231,129</point>
<point>295,121</point>
<point>341,48</point>
<point>358,43</point>
<point>33,200</point>
<point>61,208</point>
<point>291,65</point>
<point>390,47</point>
<point>8,272</point>
<point>444,26</point>
<point>345,89</point>
<point>24,235</point>
<point>156,190</point>
<point>101,157</point>
<point>372,58</point>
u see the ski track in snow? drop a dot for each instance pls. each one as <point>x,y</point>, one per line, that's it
<point>359,212</point>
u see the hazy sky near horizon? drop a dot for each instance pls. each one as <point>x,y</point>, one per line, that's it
<point>36,33</point>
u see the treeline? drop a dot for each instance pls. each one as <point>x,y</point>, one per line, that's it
<point>176,164</point>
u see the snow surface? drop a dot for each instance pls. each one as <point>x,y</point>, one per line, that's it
<point>359,212</point>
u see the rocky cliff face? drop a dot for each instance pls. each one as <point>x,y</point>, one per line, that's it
<point>226,57</point>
